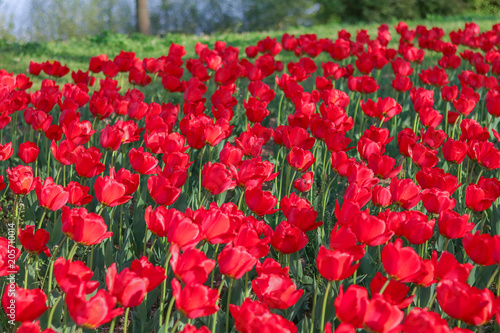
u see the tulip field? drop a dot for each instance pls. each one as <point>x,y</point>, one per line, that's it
<point>301,183</point>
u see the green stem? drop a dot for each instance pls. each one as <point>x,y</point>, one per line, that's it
<point>214,319</point>
<point>125,323</point>
<point>169,312</point>
<point>73,251</point>
<point>446,244</point>
<point>325,300</point>
<point>164,290</point>
<point>41,220</point>
<point>213,270</point>
<point>490,281</point>
<point>51,314</point>
<point>381,122</point>
<point>291,182</point>
<point>381,292</point>
<point>314,304</point>
<point>246,284</point>
<point>175,325</point>
<point>229,289</point>
<point>112,326</point>
<point>199,173</point>
<point>26,270</point>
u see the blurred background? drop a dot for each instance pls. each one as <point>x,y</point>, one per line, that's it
<point>39,20</point>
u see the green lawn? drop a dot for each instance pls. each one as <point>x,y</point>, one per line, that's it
<point>15,57</point>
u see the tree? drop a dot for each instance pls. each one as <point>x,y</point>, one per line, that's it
<point>143,21</point>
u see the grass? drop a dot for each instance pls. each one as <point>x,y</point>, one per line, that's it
<point>15,56</point>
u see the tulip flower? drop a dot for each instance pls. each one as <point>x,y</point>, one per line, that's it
<point>350,305</point>
<point>448,268</point>
<point>110,192</point>
<point>191,267</point>
<point>142,162</point>
<point>71,275</point>
<point>21,180</point>
<point>253,316</point>
<point>381,316</point>
<point>28,152</point>
<point>34,242</point>
<point>463,302</point>
<point>78,194</point>
<point>260,202</point>
<point>29,304</point>
<point>276,290</point>
<point>216,178</point>
<point>50,195</point>
<point>195,300</point>
<point>235,261</point>
<point>400,263</point>
<point>84,227</point>
<point>479,247</point>
<point>6,151</point>
<point>288,238</point>
<point>8,257</point>
<point>335,265</point>
<point>127,286</point>
<point>83,311</point>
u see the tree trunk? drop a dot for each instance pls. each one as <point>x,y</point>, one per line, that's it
<point>143,22</point>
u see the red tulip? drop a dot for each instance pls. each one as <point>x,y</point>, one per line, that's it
<point>276,290</point>
<point>8,257</point>
<point>142,162</point>
<point>28,152</point>
<point>50,195</point>
<point>381,316</point>
<point>300,159</point>
<point>162,191</point>
<point>288,238</point>
<point>400,263</point>
<point>127,178</point>
<point>78,194</point>
<point>452,225</point>
<point>34,242</point>
<point>335,265</point>
<point>73,275</point>
<point>381,196</point>
<point>350,306</point>
<point>260,202</point>
<point>405,193</point>
<point>448,268</point>
<point>477,199</point>
<point>128,288</point>
<point>436,201</point>
<point>6,151</point>
<point>192,267</point>
<point>21,179</point>
<point>395,293</point>
<point>195,300</point>
<point>235,261</point>
<point>463,302</point>
<point>111,137</point>
<point>110,192</point>
<point>253,316</point>
<point>22,304</point>
<point>92,313</point>
<point>217,178</point>
<point>67,152</point>
<point>454,151</point>
<point>87,163</point>
<point>29,327</point>
<point>479,247</point>
<point>84,227</point>
<point>146,270</point>
<point>424,321</point>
